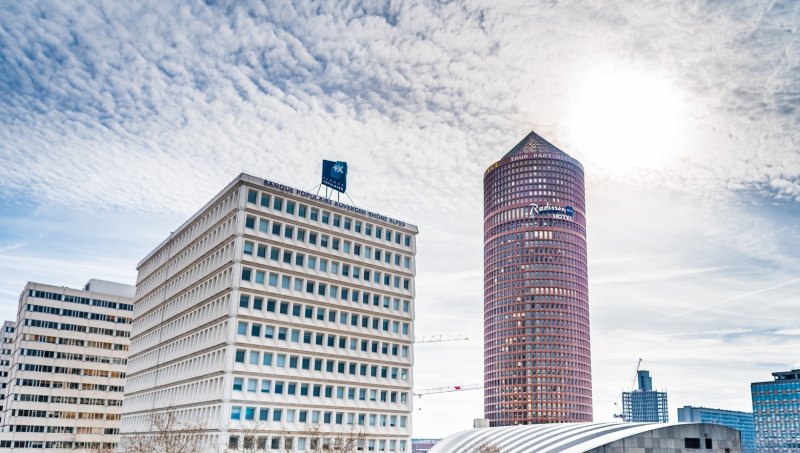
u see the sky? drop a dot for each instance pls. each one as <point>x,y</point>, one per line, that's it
<point>120,120</point>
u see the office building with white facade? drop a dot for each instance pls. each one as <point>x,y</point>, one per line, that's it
<point>66,375</point>
<point>273,313</point>
<point>9,327</point>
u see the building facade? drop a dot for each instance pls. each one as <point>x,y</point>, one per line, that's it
<point>740,421</point>
<point>537,363</point>
<point>67,373</point>
<point>276,319</point>
<point>6,353</point>
<point>776,413</point>
<point>645,405</point>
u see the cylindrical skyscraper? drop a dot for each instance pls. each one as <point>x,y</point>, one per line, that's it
<point>537,362</point>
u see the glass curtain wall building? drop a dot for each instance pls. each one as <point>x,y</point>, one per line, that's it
<point>537,364</point>
<point>776,412</point>
<point>740,421</point>
<point>645,405</point>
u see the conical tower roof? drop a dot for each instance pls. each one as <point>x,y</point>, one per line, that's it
<point>534,143</point>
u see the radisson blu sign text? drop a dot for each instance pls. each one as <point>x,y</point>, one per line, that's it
<point>559,212</point>
<point>334,175</point>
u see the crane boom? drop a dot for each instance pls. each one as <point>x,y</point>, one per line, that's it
<point>636,375</point>
<point>440,338</point>
<point>452,388</point>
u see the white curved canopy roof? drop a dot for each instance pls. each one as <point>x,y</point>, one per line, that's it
<point>549,438</point>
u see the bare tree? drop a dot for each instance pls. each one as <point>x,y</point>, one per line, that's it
<point>347,440</point>
<point>167,435</point>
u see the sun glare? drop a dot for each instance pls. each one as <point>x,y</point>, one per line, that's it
<point>625,121</point>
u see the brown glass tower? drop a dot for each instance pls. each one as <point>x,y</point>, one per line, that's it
<point>537,362</point>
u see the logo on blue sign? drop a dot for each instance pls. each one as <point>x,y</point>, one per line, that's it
<point>334,175</point>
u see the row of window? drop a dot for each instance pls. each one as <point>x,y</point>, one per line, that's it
<point>77,314</point>
<point>296,284</point>
<point>255,357</point>
<point>264,414</point>
<point>255,385</point>
<point>79,300</point>
<point>64,414</point>
<point>365,297</point>
<point>74,342</point>
<point>314,444</point>
<point>58,399</point>
<point>320,339</point>
<point>72,371</point>
<point>76,328</point>
<point>61,444</point>
<point>73,356</point>
<point>325,217</point>
<point>62,429</point>
<point>69,385</point>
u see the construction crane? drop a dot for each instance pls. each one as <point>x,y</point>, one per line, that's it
<point>441,338</point>
<point>636,375</point>
<point>621,414</point>
<point>452,388</point>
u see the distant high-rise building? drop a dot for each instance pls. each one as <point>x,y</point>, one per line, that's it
<point>537,363</point>
<point>741,421</point>
<point>6,353</point>
<point>275,319</point>
<point>776,413</point>
<point>67,372</point>
<point>645,405</point>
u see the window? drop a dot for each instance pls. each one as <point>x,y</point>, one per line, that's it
<point>236,414</point>
<point>287,257</point>
<point>323,241</point>
<point>260,277</point>
<point>233,441</point>
<point>263,225</point>
<point>237,384</point>
<point>254,357</point>
<point>274,253</point>
<point>691,442</point>
<point>378,232</point>
<point>277,204</point>
<point>241,328</point>
<point>312,238</point>
<point>273,279</point>
<point>244,301</point>
<point>276,228</point>
<point>335,244</point>
<point>265,200</point>
<point>288,231</point>
<point>246,274</point>
<point>314,214</point>
<point>347,223</point>
<point>326,216</point>
<point>298,259</point>
<point>248,248</point>
<point>312,262</point>
<point>301,210</point>
<point>250,222</point>
<point>262,251</point>
<point>337,220</point>
<point>408,240</point>
<point>301,235</point>
<point>290,210</point>
<point>252,196</point>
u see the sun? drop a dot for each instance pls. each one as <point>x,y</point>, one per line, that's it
<point>625,120</point>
